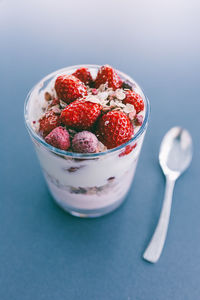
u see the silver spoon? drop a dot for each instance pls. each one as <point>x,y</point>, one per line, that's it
<point>174,157</point>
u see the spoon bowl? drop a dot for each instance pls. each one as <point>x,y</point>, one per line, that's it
<point>175,152</point>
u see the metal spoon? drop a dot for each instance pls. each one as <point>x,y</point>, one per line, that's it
<point>174,157</point>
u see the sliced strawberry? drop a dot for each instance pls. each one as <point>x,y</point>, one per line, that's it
<point>128,149</point>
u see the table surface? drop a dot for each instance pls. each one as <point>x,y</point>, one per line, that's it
<point>46,253</point>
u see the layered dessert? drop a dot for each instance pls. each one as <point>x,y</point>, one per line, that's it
<point>88,125</point>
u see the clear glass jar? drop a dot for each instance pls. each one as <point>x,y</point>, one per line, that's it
<point>85,185</point>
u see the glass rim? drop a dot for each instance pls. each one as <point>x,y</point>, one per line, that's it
<point>40,140</point>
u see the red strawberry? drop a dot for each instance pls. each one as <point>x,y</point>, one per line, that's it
<point>83,74</point>
<point>48,122</point>
<point>80,114</point>
<point>69,88</point>
<point>114,129</point>
<point>134,99</point>
<point>59,138</point>
<point>109,75</point>
<point>128,149</point>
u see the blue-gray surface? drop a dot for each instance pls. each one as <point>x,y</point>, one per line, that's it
<point>46,253</point>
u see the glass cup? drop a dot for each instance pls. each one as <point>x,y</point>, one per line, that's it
<point>85,185</point>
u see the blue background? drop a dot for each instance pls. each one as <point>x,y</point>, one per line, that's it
<point>46,253</point>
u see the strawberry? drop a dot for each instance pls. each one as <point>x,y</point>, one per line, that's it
<point>69,88</point>
<point>107,74</point>
<point>134,99</point>
<point>48,122</point>
<point>83,74</point>
<point>114,129</point>
<point>59,138</point>
<point>128,149</point>
<point>80,114</point>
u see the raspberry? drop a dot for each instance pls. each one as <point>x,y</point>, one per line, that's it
<point>114,129</point>
<point>85,142</point>
<point>59,138</point>
<point>134,99</point>
<point>107,74</point>
<point>48,122</point>
<point>138,120</point>
<point>80,114</point>
<point>69,88</point>
<point>83,74</point>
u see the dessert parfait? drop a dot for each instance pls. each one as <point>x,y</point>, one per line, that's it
<point>88,124</point>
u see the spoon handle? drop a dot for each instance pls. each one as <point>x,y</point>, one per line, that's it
<point>154,249</point>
